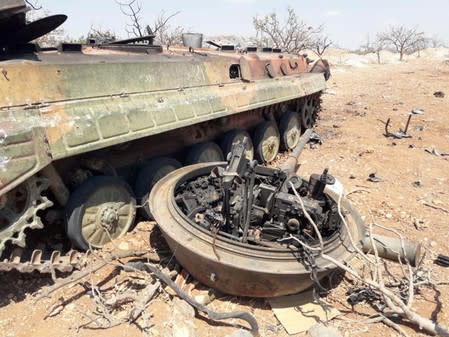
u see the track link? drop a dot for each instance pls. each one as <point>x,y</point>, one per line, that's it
<point>63,263</point>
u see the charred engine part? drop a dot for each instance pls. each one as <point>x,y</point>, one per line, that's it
<point>234,226</point>
<point>251,203</point>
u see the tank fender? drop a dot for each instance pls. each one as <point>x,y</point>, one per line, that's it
<point>23,152</point>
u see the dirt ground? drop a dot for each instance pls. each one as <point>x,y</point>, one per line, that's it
<point>414,172</point>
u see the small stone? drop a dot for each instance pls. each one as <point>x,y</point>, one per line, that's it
<point>205,297</point>
<point>389,216</point>
<point>183,314</point>
<point>417,183</point>
<point>183,329</point>
<point>439,94</point>
<point>182,309</point>
<point>240,333</point>
<point>419,127</point>
<point>271,328</point>
<point>374,178</point>
<point>352,176</point>
<point>320,330</point>
<point>123,246</point>
<point>433,244</point>
<point>419,223</point>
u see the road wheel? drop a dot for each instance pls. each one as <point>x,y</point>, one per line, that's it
<point>98,211</point>
<point>308,114</point>
<point>266,141</point>
<point>148,176</point>
<point>204,153</point>
<point>234,136</point>
<point>290,129</point>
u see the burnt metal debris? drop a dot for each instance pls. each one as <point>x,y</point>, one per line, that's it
<point>235,226</point>
<point>402,133</point>
<point>439,94</point>
<point>442,260</point>
<point>255,204</point>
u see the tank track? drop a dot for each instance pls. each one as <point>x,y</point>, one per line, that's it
<point>68,262</point>
<point>15,234</point>
<point>63,263</point>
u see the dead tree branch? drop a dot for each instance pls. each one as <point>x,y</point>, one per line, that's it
<point>292,35</point>
<point>320,43</point>
<point>215,316</point>
<point>101,35</point>
<point>436,207</point>
<point>88,271</point>
<point>393,301</point>
<point>160,28</point>
<point>132,9</point>
<point>142,303</point>
<point>164,33</point>
<point>34,5</point>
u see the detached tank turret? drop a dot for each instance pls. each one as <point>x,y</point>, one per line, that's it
<point>87,130</point>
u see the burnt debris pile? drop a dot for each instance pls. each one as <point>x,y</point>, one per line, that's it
<point>255,204</point>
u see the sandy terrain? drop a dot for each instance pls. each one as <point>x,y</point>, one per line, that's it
<point>361,96</point>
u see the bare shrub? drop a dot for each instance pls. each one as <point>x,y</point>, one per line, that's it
<point>291,35</point>
<point>160,28</point>
<point>404,40</point>
<point>375,46</point>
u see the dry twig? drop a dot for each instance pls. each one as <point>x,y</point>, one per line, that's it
<point>436,207</point>
<point>215,316</point>
<point>88,271</point>
<point>394,302</point>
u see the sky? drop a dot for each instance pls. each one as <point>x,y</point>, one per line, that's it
<point>347,22</point>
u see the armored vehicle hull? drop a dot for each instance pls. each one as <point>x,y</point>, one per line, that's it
<point>86,131</point>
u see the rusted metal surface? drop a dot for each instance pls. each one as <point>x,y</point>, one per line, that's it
<point>234,267</point>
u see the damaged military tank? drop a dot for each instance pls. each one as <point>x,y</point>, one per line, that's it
<point>86,130</point>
